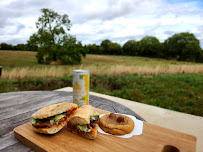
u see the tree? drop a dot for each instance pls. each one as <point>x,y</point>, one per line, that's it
<point>52,41</point>
<point>130,48</point>
<point>5,46</point>
<point>21,47</point>
<point>101,50</point>
<point>73,56</point>
<point>200,58</point>
<point>115,49</point>
<point>149,46</point>
<point>105,45</point>
<point>32,43</point>
<point>182,46</point>
<point>92,49</point>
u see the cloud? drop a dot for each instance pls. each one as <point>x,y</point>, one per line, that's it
<point>6,15</point>
<point>12,29</point>
<point>198,32</point>
<point>93,21</point>
<point>169,32</point>
<point>143,18</point>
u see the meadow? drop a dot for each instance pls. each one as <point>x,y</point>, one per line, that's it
<point>163,83</point>
<point>23,64</point>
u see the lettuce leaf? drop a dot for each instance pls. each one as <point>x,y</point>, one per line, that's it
<point>84,128</point>
<point>94,114</point>
<point>34,121</point>
<point>57,118</point>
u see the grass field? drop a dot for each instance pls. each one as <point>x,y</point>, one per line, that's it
<point>23,64</point>
<point>180,92</point>
<point>163,83</point>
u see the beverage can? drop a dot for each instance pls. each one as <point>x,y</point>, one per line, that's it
<point>81,87</point>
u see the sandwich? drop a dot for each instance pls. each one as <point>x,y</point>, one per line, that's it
<point>52,118</point>
<point>84,122</point>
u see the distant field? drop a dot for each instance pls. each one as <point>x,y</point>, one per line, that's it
<point>23,64</point>
<point>17,58</point>
<point>164,83</point>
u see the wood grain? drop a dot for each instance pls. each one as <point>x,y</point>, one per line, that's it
<point>16,109</point>
<point>153,139</point>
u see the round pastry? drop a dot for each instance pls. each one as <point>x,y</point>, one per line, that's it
<point>116,124</point>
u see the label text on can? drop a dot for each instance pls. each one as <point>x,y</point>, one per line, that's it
<point>80,88</point>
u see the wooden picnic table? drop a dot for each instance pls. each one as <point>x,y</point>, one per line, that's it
<point>17,107</point>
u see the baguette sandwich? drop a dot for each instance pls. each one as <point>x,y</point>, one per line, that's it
<point>52,118</point>
<point>84,122</point>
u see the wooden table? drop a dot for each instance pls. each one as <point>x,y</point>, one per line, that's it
<point>17,107</point>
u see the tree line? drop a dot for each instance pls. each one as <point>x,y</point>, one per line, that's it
<point>53,43</point>
<point>21,47</point>
<point>181,46</point>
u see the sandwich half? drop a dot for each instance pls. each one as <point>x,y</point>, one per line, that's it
<point>84,122</point>
<point>52,118</point>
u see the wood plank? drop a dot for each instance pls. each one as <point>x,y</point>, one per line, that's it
<point>16,98</point>
<point>154,138</point>
<point>7,141</point>
<point>16,147</point>
<point>9,128</point>
<point>32,104</point>
<point>15,103</point>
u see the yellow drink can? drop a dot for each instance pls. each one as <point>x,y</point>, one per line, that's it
<point>81,87</point>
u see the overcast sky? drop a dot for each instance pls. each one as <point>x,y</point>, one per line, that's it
<point>95,20</point>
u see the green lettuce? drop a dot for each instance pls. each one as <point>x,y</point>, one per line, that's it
<point>94,114</point>
<point>34,121</point>
<point>84,128</point>
<point>57,118</point>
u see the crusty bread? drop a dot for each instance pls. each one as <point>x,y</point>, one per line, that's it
<point>52,130</point>
<point>82,115</point>
<point>54,109</point>
<point>88,135</point>
<point>116,129</point>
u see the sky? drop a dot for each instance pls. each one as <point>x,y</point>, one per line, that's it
<point>96,20</point>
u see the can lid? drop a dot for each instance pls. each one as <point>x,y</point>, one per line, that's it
<point>80,71</point>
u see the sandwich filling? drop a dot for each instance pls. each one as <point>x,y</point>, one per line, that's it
<point>94,119</point>
<point>51,121</point>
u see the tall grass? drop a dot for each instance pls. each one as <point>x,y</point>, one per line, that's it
<point>60,71</point>
<point>23,64</point>
<point>33,72</point>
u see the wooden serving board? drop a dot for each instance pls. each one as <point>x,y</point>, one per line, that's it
<point>153,139</point>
